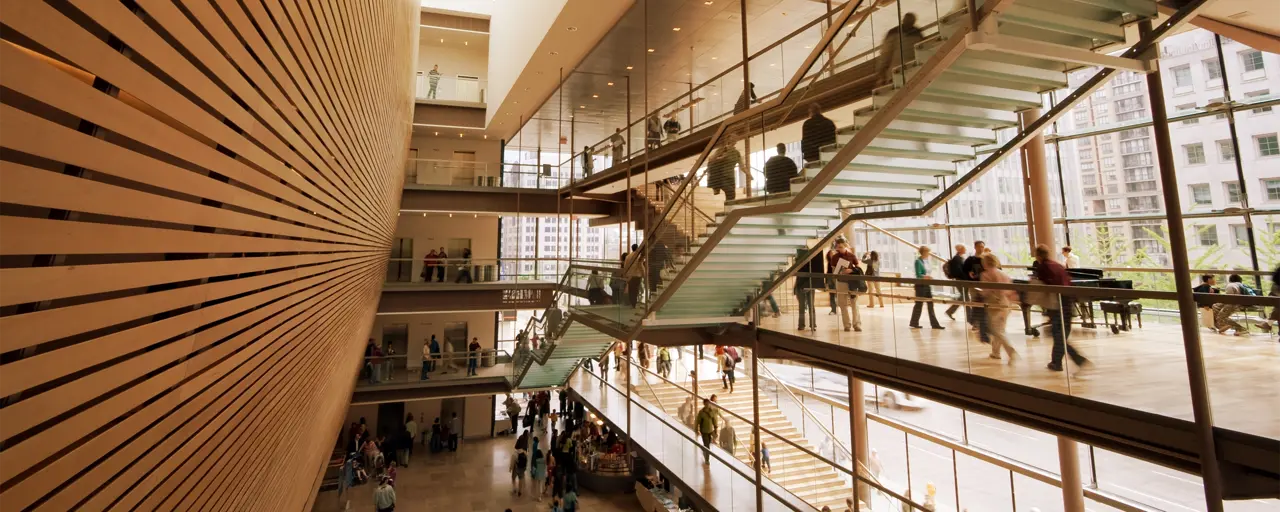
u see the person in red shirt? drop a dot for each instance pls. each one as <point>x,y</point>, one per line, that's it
<point>841,261</point>
<point>1052,273</point>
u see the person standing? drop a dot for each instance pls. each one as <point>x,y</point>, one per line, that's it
<point>778,171</point>
<point>473,356</point>
<point>923,291</point>
<point>657,262</point>
<point>954,269</point>
<point>587,163</point>
<point>412,427</point>
<point>805,286</point>
<point>455,431</point>
<point>873,287</point>
<point>721,173</point>
<point>1069,259</point>
<point>842,261</point>
<point>433,79</point>
<point>664,362</point>
<point>464,270</point>
<point>726,370</point>
<point>435,352</point>
<point>653,132</point>
<point>746,99</point>
<point>538,471</point>
<point>1052,273</point>
<point>442,261</point>
<point>635,273</point>
<point>426,359</point>
<point>764,457</point>
<point>619,146</point>
<point>428,266</point>
<point>899,47</point>
<point>816,132</point>
<point>998,302</point>
<point>384,497</point>
<point>727,438</point>
<point>706,422</point>
<point>519,466</point>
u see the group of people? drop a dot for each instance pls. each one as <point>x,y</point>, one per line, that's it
<point>712,426</point>
<point>1222,314</point>
<point>552,468</point>
<point>436,261</point>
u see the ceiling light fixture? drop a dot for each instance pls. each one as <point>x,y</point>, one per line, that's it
<point>466,43</point>
<point>628,67</point>
<point>486,136</point>
<point>450,215</point>
<point>437,133</point>
<point>651,50</point>
<point>571,29</point>
<point>610,84</point>
<point>459,135</point>
<point>424,214</point>
<point>595,95</point>
<point>555,53</point>
<point>675,29</point>
<point>442,40</point>
<point>708,2</point>
<point>714,58</point>
<point>582,106</point>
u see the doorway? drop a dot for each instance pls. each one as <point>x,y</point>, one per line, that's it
<point>455,340</point>
<point>400,270</point>
<point>395,341</point>
<point>390,419</point>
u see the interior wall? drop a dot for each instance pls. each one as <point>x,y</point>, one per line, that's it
<point>470,60</point>
<point>480,324</point>
<point>442,147</point>
<point>479,417</point>
<point>433,231</point>
<point>476,413</point>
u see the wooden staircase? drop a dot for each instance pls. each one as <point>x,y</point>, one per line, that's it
<point>804,475</point>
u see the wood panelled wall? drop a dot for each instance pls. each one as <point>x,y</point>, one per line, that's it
<point>197,200</point>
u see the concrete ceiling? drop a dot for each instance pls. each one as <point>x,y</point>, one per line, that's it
<point>1258,15</point>
<point>453,38</point>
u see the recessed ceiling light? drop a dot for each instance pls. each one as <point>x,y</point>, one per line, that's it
<point>708,2</point>
<point>442,40</point>
<point>808,47</point>
<point>486,136</point>
<point>571,29</point>
<point>595,95</point>
<point>466,43</point>
<point>610,84</point>
<point>714,58</point>
<point>772,65</point>
<point>664,88</point>
<point>675,29</point>
<point>582,106</point>
<point>628,67</point>
<point>555,53</point>
<point>651,50</point>
<point>437,133</point>
<point>459,135</point>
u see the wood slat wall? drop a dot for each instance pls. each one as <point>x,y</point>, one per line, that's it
<point>197,202</point>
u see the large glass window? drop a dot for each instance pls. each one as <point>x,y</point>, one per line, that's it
<point>1200,194</point>
<point>1267,145</point>
<point>1194,152</point>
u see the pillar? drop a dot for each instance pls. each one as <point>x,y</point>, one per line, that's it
<point>1201,408</point>
<point>858,431</point>
<point>755,421</point>
<point>1038,203</point>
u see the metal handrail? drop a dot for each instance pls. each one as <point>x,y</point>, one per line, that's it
<point>1145,43</point>
<point>553,338</point>
<point>835,440</point>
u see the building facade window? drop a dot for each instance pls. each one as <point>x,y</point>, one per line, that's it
<point>1208,235</point>
<point>1233,191</point>
<point>1212,68</point>
<point>1200,195</point>
<point>1268,145</point>
<point>1194,152</point>
<point>1255,94</point>
<point>1251,60</point>
<point>1272,186</point>
<point>1181,76</point>
<point>1239,235</point>
<point>1225,152</point>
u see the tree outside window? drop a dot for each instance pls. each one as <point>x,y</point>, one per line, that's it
<point>1208,235</point>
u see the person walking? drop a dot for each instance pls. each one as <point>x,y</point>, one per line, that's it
<point>816,132</point>
<point>653,132</point>
<point>899,47</point>
<point>721,173</point>
<point>384,496</point>
<point>618,144</point>
<point>636,267</point>
<point>659,255</point>
<point>464,270</point>
<point>442,261</point>
<point>435,352</point>
<point>764,457</point>
<point>411,427</point>
<point>954,269</point>
<point>588,164</point>
<point>1052,273</point>
<point>595,289</point>
<point>971,270</point>
<point>998,302</point>
<point>706,422</point>
<point>842,261</point>
<point>746,99</point>
<point>538,471</point>
<point>519,467</point>
<point>923,291</point>
<point>433,80</point>
<point>473,356</point>
<point>426,360</point>
<point>455,431</point>
<point>727,438</point>
<point>805,286</point>
<point>873,287</point>
<point>664,362</point>
<point>778,171</point>
<point>726,370</point>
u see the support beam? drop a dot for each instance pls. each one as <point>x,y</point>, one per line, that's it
<point>1069,468</point>
<point>858,431</point>
<point>1038,177</point>
<point>1201,408</point>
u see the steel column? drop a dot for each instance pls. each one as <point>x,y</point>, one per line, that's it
<point>858,433</point>
<point>1038,176</point>
<point>1187,310</point>
<point>755,420</point>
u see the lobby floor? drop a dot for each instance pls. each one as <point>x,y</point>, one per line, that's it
<point>1144,368</point>
<point>473,479</point>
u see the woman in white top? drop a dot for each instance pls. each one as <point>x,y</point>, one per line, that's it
<point>998,302</point>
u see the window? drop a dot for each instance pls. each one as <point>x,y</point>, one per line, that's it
<point>1200,195</point>
<point>1208,235</point>
<point>1135,146</point>
<point>1085,142</point>
<point>1100,94</point>
<point>1111,176</point>
<point>1081,118</point>
<point>1090,192</point>
<point>1195,153</point>
<point>1108,161</point>
<point>1251,60</point>
<point>1181,76</point>
<point>1136,159</point>
<point>1140,186</point>
<point>1187,108</point>
<point>1133,133</point>
<point>1272,187</point>
<point>1255,94</point>
<point>1099,206</point>
<point>1113,203</point>
<point>1240,235</point>
<point>1129,104</point>
<point>1143,203</point>
<point>1129,88</point>
<point>1113,189</point>
<point>1101,108</point>
<point>1087,166</point>
<point>1225,152</point>
<point>1089,179</point>
<point>1212,68</point>
<point>1267,144</point>
<point>1129,116</point>
<point>1105,147</point>
<point>1139,174</point>
<point>1233,191</point>
<point>1086,154</point>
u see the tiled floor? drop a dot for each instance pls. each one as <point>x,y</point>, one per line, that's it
<point>474,479</point>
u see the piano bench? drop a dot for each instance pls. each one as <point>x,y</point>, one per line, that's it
<point>1123,311</point>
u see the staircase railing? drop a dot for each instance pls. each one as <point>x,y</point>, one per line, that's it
<point>946,54</point>
<point>550,337</point>
<point>738,125</point>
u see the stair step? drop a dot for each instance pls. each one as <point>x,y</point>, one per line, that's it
<point>1054,19</point>
<point>925,131</point>
<point>961,115</point>
<point>905,148</point>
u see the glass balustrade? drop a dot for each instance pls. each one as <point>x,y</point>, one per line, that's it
<point>411,272</point>
<point>401,369</point>
<point>457,88</point>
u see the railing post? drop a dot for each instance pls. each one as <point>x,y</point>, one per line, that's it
<point>755,418</point>
<point>858,432</point>
<point>1187,310</point>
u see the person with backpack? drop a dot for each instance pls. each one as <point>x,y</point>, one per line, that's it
<point>842,261</point>
<point>664,362</point>
<point>1222,320</point>
<point>726,370</point>
<point>519,466</point>
<point>706,421</point>
<point>953,269</point>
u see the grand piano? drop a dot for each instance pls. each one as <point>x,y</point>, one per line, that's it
<point>1086,277</point>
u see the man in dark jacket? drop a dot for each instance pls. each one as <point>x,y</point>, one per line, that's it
<point>805,287</point>
<point>1052,273</point>
<point>970,272</point>
<point>955,270</point>
<point>816,132</point>
<point>778,171</point>
<point>720,172</point>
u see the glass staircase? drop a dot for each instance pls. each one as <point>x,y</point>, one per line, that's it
<point>964,85</point>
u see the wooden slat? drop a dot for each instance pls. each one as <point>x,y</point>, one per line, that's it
<point>199,200</point>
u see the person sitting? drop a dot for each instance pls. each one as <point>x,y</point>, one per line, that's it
<point>1206,285</point>
<point>1222,312</point>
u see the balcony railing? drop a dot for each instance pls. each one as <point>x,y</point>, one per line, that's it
<point>425,171</point>
<point>450,88</point>
<point>405,369</point>
<point>481,270</point>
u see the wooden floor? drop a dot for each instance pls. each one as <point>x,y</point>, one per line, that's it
<point>1143,369</point>
<point>720,485</point>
